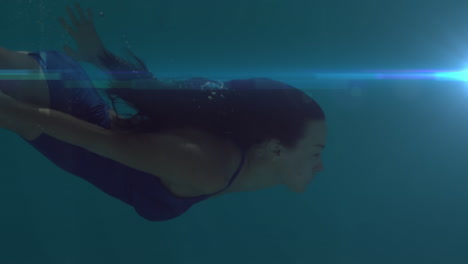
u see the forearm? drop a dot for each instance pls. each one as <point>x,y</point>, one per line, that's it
<point>20,128</point>
<point>56,124</point>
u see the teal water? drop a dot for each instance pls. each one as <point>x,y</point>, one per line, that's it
<point>394,187</point>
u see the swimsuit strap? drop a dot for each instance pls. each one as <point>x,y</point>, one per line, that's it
<point>236,173</point>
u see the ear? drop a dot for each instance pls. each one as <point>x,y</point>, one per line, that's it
<point>267,148</point>
<point>274,149</point>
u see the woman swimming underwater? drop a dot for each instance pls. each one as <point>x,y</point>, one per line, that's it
<point>187,141</point>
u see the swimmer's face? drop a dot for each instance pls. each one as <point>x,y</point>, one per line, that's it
<point>299,165</point>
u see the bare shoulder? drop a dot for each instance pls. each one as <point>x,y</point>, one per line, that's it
<point>189,159</point>
<point>217,159</point>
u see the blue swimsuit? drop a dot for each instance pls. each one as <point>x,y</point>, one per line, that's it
<point>74,94</point>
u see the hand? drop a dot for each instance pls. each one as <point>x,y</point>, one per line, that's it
<point>85,35</point>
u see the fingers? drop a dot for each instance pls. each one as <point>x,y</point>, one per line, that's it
<point>81,14</point>
<point>76,22</point>
<point>80,11</point>
<point>66,26</point>
<point>69,51</point>
<point>90,15</point>
<point>73,17</point>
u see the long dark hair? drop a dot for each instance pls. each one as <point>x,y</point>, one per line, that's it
<point>246,111</point>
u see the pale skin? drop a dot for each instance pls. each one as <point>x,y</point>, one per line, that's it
<point>209,161</point>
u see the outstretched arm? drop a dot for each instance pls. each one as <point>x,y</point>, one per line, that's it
<point>91,49</point>
<point>187,158</point>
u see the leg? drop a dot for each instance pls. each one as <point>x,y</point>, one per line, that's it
<point>34,92</point>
